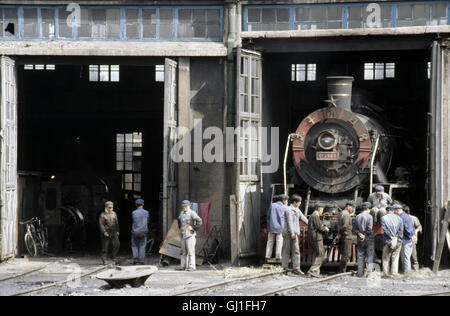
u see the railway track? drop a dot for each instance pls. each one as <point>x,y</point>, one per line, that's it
<point>26,273</point>
<point>54,284</point>
<point>252,288</point>
<point>215,285</point>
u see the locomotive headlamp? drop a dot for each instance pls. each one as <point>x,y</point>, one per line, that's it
<point>327,140</point>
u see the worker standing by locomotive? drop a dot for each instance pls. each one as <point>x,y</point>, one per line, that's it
<point>109,230</point>
<point>408,239</point>
<point>276,219</point>
<point>393,231</point>
<point>316,229</point>
<point>379,200</point>
<point>365,247</point>
<point>418,228</point>
<point>188,222</point>
<point>345,235</point>
<point>291,233</point>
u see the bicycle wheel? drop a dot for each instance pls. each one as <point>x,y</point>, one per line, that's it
<point>31,245</point>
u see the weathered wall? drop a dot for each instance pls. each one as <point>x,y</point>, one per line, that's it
<point>207,181</point>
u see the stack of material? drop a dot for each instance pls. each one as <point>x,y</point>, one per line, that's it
<point>171,246</point>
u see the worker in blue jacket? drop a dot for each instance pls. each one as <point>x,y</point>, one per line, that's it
<point>277,222</point>
<point>408,239</point>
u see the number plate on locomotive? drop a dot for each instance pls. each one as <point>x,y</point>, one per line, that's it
<point>327,155</point>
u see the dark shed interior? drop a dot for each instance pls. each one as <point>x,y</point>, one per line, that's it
<point>96,131</point>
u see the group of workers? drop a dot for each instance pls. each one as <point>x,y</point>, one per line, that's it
<point>188,221</point>
<point>400,232</point>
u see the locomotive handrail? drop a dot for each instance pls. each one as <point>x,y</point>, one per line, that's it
<point>372,160</point>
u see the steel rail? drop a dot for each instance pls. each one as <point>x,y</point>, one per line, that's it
<point>25,273</point>
<point>227,282</point>
<point>60,283</point>
<point>303,283</point>
<point>432,293</point>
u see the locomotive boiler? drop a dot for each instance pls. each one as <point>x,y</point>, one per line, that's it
<point>337,151</point>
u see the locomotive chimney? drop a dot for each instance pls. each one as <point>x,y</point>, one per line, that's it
<point>340,90</point>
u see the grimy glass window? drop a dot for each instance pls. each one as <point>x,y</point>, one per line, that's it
<point>249,116</point>
<point>317,17</point>
<point>358,17</point>
<point>422,14</point>
<point>151,23</point>
<point>11,25</point>
<point>129,162</point>
<point>268,19</point>
<point>303,72</point>
<point>30,23</point>
<point>47,23</point>
<point>104,73</point>
<point>379,71</point>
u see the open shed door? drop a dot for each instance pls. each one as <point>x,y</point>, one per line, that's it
<point>439,141</point>
<point>8,159</point>
<point>170,138</point>
<point>245,217</point>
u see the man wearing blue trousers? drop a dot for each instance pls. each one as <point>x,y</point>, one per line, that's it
<point>139,232</point>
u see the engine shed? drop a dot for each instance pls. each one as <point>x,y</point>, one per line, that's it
<point>118,100</point>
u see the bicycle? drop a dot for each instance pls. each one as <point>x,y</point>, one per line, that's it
<point>35,237</point>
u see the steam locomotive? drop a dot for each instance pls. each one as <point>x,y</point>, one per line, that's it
<point>337,152</point>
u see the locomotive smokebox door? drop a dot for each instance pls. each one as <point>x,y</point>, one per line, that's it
<point>334,145</point>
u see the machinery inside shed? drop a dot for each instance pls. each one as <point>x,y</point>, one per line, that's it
<point>391,86</point>
<point>95,131</point>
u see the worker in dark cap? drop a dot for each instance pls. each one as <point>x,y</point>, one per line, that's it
<point>316,229</point>
<point>139,232</point>
<point>379,200</point>
<point>345,235</point>
<point>109,229</point>
<point>189,222</point>
<point>362,226</point>
<point>277,222</point>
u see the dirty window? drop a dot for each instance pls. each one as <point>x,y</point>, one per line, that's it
<point>30,23</point>
<point>149,23</point>
<point>48,23</point>
<point>129,160</point>
<point>318,17</point>
<point>10,22</point>
<point>132,23</point>
<point>268,19</point>
<point>379,71</point>
<point>113,23</point>
<point>165,23</point>
<point>65,31</point>
<point>104,73</point>
<point>303,72</point>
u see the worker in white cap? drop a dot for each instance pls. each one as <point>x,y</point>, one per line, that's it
<point>189,222</point>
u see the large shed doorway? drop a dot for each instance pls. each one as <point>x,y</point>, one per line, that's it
<point>90,130</point>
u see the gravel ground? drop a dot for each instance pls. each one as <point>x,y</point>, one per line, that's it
<point>167,281</point>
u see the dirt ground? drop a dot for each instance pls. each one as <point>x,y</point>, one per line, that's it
<point>167,281</point>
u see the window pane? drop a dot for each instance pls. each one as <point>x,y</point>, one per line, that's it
<point>30,23</point>
<point>199,16</point>
<point>113,23</point>
<point>104,73</point>
<point>149,23</point>
<point>132,30</point>
<point>64,30</point>
<point>390,70</point>
<point>254,15</point>
<point>379,71</point>
<point>166,23</point>
<point>48,23</point>
<point>368,71</point>
<point>114,73</point>
<point>93,72</point>
<point>99,23</point>
<point>213,17</point>
<point>85,29</point>
<point>11,25</point>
